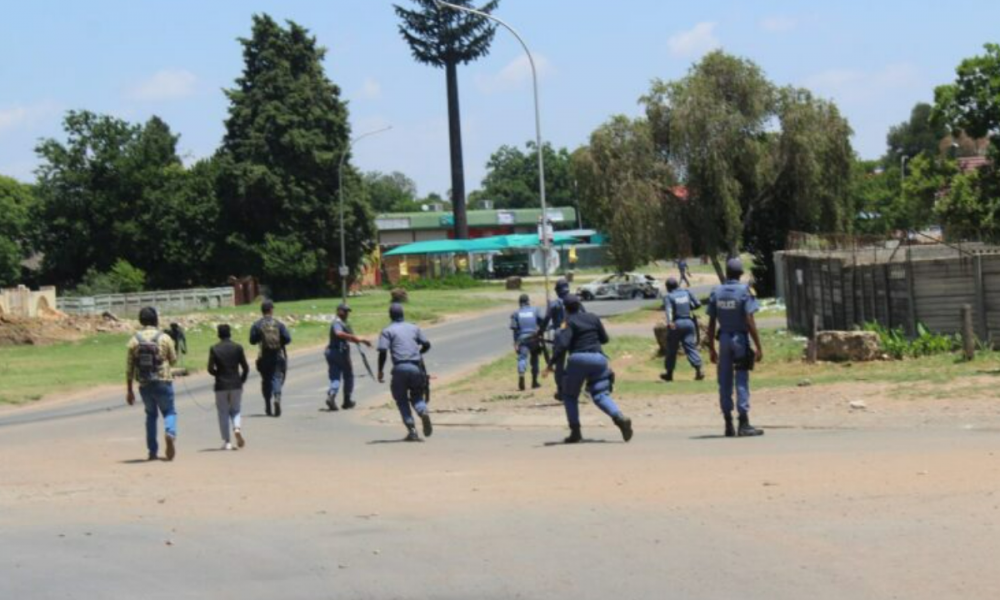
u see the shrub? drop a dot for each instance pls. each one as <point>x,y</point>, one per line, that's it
<point>123,278</point>
<point>459,281</point>
<point>895,343</point>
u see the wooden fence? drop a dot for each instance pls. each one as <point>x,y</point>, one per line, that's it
<point>896,288</point>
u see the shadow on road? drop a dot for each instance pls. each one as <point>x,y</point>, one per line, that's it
<point>399,441</point>
<point>558,444</point>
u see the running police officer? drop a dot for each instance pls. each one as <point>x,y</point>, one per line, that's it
<point>338,358</point>
<point>407,344</point>
<point>581,338</point>
<point>682,329</point>
<point>731,309</point>
<point>555,316</point>
<point>525,324</point>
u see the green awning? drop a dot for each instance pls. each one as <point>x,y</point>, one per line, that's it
<point>479,245</point>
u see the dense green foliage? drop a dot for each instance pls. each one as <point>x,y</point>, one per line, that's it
<point>123,278</point>
<point>445,38</point>
<point>391,192</point>
<point>894,342</point>
<point>16,205</point>
<point>458,281</point>
<point>512,178</point>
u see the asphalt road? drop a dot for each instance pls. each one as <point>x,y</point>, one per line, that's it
<point>326,505</point>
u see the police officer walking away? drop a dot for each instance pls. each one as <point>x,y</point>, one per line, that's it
<point>272,361</point>
<point>731,309</point>
<point>683,271</point>
<point>151,353</point>
<point>581,338</point>
<point>406,343</point>
<point>682,329</point>
<point>555,315</point>
<point>525,324</point>
<point>338,358</point>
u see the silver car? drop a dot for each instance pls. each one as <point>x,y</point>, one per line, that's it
<point>620,286</point>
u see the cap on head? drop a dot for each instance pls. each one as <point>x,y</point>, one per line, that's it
<point>734,268</point>
<point>267,306</point>
<point>572,303</point>
<point>524,300</point>
<point>396,311</point>
<point>344,308</point>
<point>148,317</point>
<point>562,287</point>
<point>224,331</point>
<point>672,284</point>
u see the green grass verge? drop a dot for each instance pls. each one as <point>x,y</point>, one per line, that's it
<point>28,373</point>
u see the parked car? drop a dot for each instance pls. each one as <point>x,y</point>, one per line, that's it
<point>620,286</point>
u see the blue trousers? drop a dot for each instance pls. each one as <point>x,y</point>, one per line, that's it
<point>158,398</point>
<point>591,368</point>
<point>527,351</point>
<point>686,335</point>
<point>732,347</point>
<point>272,377</point>
<point>339,367</point>
<point>408,388</point>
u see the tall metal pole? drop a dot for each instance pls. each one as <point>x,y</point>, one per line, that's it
<point>344,271</point>
<point>544,235</point>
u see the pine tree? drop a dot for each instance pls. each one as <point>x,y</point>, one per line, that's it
<point>278,180</point>
<point>445,39</point>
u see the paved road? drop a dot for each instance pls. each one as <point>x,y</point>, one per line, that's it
<point>328,506</point>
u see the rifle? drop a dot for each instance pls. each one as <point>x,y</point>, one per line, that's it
<point>427,381</point>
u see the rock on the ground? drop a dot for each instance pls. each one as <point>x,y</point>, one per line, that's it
<point>858,405</point>
<point>847,346</point>
<point>513,283</point>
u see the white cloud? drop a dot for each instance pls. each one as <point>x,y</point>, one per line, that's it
<point>858,86</point>
<point>167,84</point>
<point>371,89</point>
<point>514,75</point>
<point>25,116</point>
<point>778,24</point>
<point>694,42</point>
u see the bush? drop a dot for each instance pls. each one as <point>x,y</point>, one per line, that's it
<point>459,281</point>
<point>895,343</point>
<point>123,278</point>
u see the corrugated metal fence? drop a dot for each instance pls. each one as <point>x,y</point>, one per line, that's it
<point>128,305</point>
<point>894,287</point>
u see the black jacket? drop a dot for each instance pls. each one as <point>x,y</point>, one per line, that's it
<point>228,363</point>
<point>583,332</point>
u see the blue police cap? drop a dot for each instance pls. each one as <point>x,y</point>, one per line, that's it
<point>396,311</point>
<point>734,265</point>
<point>524,300</point>
<point>672,283</point>
<point>344,307</point>
<point>571,302</point>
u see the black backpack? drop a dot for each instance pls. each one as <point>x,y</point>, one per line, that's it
<point>147,358</point>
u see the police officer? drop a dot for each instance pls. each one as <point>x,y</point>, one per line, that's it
<point>525,324</point>
<point>683,271</point>
<point>407,344</point>
<point>555,315</point>
<point>682,329</point>
<point>581,338</point>
<point>731,309</point>
<point>272,363</point>
<point>338,358</point>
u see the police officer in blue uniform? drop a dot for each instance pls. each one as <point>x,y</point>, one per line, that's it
<point>682,329</point>
<point>406,343</point>
<point>555,315</point>
<point>581,339</point>
<point>338,358</point>
<point>683,271</point>
<point>525,324</point>
<point>731,309</point>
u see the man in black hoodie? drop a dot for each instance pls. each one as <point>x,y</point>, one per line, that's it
<point>228,364</point>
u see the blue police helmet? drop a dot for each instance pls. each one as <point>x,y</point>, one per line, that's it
<point>672,284</point>
<point>524,300</point>
<point>734,268</point>
<point>396,311</point>
<point>572,303</point>
<point>562,287</point>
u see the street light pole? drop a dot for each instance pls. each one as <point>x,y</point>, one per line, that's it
<point>544,235</point>
<point>344,271</point>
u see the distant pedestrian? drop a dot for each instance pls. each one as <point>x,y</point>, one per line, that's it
<point>406,344</point>
<point>272,361</point>
<point>151,353</point>
<point>682,329</point>
<point>338,358</point>
<point>228,364</point>
<point>682,269</point>
<point>731,308</point>
<point>525,324</point>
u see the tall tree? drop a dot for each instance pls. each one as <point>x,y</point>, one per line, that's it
<point>278,178</point>
<point>16,204</point>
<point>917,136</point>
<point>391,192</point>
<point>972,104</point>
<point>512,177</point>
<point>445,39</point>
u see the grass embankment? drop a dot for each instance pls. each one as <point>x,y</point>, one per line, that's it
<point>28,373</point>
<point>638,367</point>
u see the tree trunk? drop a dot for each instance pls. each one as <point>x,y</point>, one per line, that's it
<point>457,166</point>
<point>719,270</point>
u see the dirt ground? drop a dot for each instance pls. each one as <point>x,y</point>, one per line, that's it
<point>55,328</point>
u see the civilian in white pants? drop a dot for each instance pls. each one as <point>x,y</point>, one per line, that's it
<point>228,364</point>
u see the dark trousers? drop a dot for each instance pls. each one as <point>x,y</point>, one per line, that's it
<point>685,334</point>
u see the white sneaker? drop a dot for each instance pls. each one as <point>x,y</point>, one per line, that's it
<point>240,442</point>
<point>227,446</point>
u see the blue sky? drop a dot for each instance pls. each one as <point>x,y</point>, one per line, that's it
<point>135,59</point>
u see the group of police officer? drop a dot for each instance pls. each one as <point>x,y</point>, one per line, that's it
<point>578,359</point>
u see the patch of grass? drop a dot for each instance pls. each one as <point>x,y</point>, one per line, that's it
<point>30,372</point>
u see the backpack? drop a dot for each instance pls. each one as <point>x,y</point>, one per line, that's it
<point>147,358</point>
<point>270,334</point>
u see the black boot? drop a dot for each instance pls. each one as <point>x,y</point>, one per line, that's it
<point>746,429</point>
<point>411,434</point>
<point>534,381</point>
<point>425,419</point>
<point>699,375</point>
<point>625,425</point>
<point>520,382</point>
<point>277,405</point>
<point>348,402</point>
<point>668,376</point>
<point>575,437</point>
<point>267,407</point>
<point>730,430</point>
<point>331,402</point>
